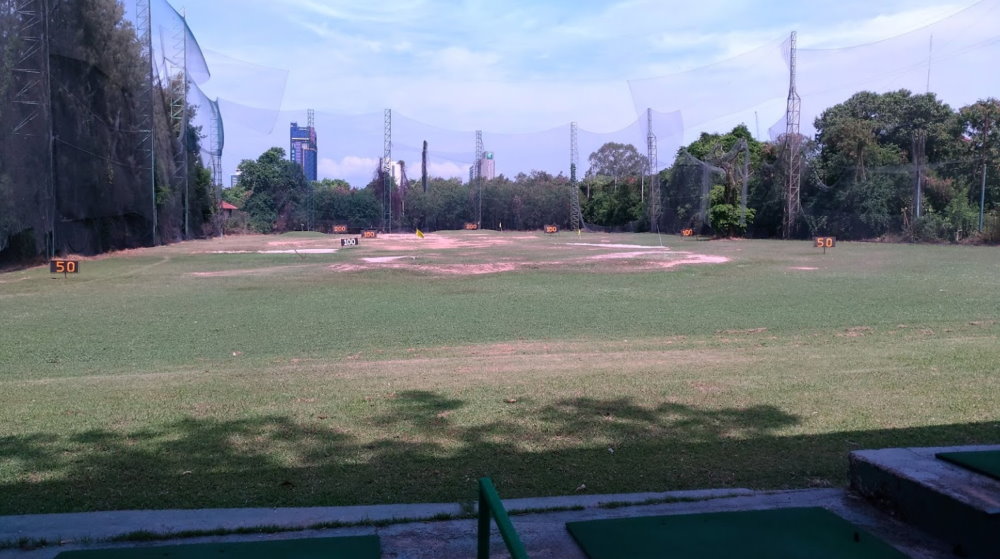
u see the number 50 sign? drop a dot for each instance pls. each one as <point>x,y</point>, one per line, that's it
<point>63,266</point>
<point>825,242</point>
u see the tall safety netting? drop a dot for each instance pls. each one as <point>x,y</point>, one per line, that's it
<point>103,124</point>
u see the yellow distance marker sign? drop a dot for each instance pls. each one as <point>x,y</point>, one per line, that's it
<point>369,234</point>
<point>551,229</point>
<point>825,242</point>
<point>64,267</point>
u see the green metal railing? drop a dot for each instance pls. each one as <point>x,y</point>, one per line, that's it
<point>490,505</point>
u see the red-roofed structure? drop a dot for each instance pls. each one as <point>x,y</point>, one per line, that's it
<point>227,209</point>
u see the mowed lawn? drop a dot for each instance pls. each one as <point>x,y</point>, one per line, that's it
<point>187,377</point>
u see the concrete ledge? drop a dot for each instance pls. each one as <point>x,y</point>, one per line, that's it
<point>98,526</point>
<point>955,504</point>
<point>544,533</point>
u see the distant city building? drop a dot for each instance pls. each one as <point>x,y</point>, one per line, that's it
<point>303,150</point>
<point>397,171</point>
<point>487,169</point>
<point>234,179</point>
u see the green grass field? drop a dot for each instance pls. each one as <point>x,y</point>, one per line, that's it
<point>178,377</point>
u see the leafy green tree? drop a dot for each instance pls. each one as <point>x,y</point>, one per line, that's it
<point>979,127</point>
<point>275,187</point>
<point>873,148</point>
<point>728,161</point>
<point>617,161</point>
<point>335,202</point>
<point>726,218</point>
<point>447,204</point>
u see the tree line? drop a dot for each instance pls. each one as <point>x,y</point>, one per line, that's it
<point>873,159</point>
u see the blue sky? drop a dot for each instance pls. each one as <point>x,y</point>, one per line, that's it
<point>506,67</point>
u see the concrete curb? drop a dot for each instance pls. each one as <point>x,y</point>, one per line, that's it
<point>103,526</point>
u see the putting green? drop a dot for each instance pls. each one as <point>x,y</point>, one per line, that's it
<point>986,462</point>
<point>806,533</point>
<point>353,547</point>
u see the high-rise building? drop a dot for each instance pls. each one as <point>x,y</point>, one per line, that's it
<point>303,147</point>
<point>487,170</point>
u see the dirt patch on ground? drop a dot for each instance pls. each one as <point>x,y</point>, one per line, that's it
<point>454,253</point>
<point>383,259</point>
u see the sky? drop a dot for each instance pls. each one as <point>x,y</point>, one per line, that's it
<point>522,70</point>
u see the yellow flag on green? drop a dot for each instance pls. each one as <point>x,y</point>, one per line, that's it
<point>420,234</point>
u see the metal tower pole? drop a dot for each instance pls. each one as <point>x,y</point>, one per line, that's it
<point>311,146</point>
<point>575,215</point>
<point>387,173</point>
<point>479,178</point>
<point>216,140</point>
<point>574,153</point>
<point>654,182</point>
<point>793,140</point>
<point>184,127</point>
<point>179,114</point>
<point>147,120</point>
<point>33,95</point>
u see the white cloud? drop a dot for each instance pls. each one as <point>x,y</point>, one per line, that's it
<point>347,167</point>
<point>398,11</point>
<point>860,31</point>
<point>444,170</point>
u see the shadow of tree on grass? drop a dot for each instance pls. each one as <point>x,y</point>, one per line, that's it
<point>609,445</point>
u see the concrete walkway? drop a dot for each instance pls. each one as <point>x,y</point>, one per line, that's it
<point>421,537</point>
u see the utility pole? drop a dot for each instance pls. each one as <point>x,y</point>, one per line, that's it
<point>982,199</point>
<point>423,168</point>
<point>982,189</point>
<point>919,151</point>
